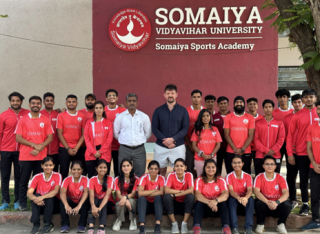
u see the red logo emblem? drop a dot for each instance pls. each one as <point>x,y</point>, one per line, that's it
<point>130,29</point>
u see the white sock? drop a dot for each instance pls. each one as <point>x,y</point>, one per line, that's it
<point>306,203</point>
<point>184,223</point>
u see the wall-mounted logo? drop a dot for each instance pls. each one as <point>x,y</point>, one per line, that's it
<point>130,29</point>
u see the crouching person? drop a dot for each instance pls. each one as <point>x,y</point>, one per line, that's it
<point>47,185</point>
<point>240,190</point>
<point>150,191</point>
<point>74,198</point>
<point>178,198</point>
<point>271,192</point>
<point>211,192</point>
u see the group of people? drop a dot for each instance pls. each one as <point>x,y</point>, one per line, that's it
<point>44,142</point>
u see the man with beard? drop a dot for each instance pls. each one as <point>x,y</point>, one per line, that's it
<point>313,148</point>
<point>89,101</point>
<point>218,122</point>
<point>9,148</point>
<point>34,133</point>
<point>132,128</point>
<point>239,132</point>
<point>170,123</point>
<point>53,147</point>
<point>112,111</point>
<point>193,111</point>
<point>297,139</point>
<point>70,127</point>
<point>292,170</point>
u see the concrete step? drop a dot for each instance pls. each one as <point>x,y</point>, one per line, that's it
<point>23,218</point>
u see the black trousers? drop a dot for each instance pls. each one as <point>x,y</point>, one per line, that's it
<point>7,159</point>
<point>283,151</point>
<point>145,207</point>
<point>189,159</point>
<point>258,166</point>
<point>173,207</point>
<point>246,159</point>
<point>48,211</point>
<point>202,209</point>
<point>26,169</point>
<point>91,168</point>
<point>102,213</point>
<point>83,213</point>
<point>115,154</point>
<point>56,162</point>
<point>292,172</point>
<point>303,163</point>
<point>221,155</point>
<point>262,211</point>
<point>315,195</point>
<point>65,159</point>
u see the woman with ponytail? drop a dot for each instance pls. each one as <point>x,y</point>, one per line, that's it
<point>100,188</point>
<point>126,185</point>
<point>98,135</point>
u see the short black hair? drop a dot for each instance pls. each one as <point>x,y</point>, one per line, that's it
<point>267,101</point>
<point>209,97</point>
<point>296,97</point>
<point>222,98</point>
<point>72,96</point>
<point>309,92</point>
<point>48,94</point>
<point>111,91</point>
<point>16,94</point>
<point>282,92</point>
<point>318,103</point>
<point>170,87</point>
<point>252,100</point>
<point>238,156</point>
<point>35,98</point>
<point>269,157</point>
<point>196,91</point>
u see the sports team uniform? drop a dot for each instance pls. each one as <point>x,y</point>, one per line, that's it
<point>35,130</point>
<point>211,190</point>
<point>253,146</point>
<point>193,117</point>
<point>313,136</point>
<point>239,132</point>
<point>72,125</point>
<point>53,147</point>
<point>125,186</point>
<point>271,190</point>
<point>239,185</point>
<point>10,152</point>
<point>111,115</point>
<point>42,187</point>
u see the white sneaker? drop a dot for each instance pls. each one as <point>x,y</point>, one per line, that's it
<point>175,228</point>
<point>184,228</point>
<point>281,229</point>
<point>133,225</point>
<point>116,225</point>
<point>259,228</point>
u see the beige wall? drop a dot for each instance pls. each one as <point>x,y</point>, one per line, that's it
<point>34,68</point>
<point>288,57</point>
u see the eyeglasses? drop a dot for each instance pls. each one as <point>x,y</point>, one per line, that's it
<point>269,164</point>
<point>236,163</point>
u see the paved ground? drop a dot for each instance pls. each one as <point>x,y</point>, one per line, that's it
<point>18,229</point>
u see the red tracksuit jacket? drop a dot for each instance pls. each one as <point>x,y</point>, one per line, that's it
<point>53,147</point>
<point>299,126</point>
<point>107,129</point>
<point>269,136</point>
<point>8,123</point>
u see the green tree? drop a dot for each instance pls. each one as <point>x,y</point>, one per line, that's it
<point>302,18</point>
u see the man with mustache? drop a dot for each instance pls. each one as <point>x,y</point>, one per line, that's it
<point>34,133</point>
<point>170,123</point>
<point>239,132</point>
<point>132,128</point>
<point>9,148</point>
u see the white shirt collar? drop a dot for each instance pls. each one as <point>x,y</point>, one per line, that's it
<point>32,117</point>
<point>238,115</point>
<point>284,110</point>
<point>72,114</point>
<point>44,178</point>
<point>193,108</point>
<point>274,176</point>
<point>112,109</point>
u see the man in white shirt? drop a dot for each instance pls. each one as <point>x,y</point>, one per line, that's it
<point>132,128</point>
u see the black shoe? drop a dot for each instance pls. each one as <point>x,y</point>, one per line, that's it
<point>23,208</point>
<point>304,211</point>
<point>142,230</point>
<point>157,229</point>
<point>47,228</point>
<point>35,229</point>
<point>294,204</point>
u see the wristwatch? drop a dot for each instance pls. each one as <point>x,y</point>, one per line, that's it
<point>127,197</point>
<point>278,202</point>
<point>200,153</point>
<point>242,151</point>
<point>212,155</point>
<point>217,201</point>
<point>67,148</point>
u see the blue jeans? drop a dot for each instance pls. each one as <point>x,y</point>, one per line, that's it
<point>233,205</point>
